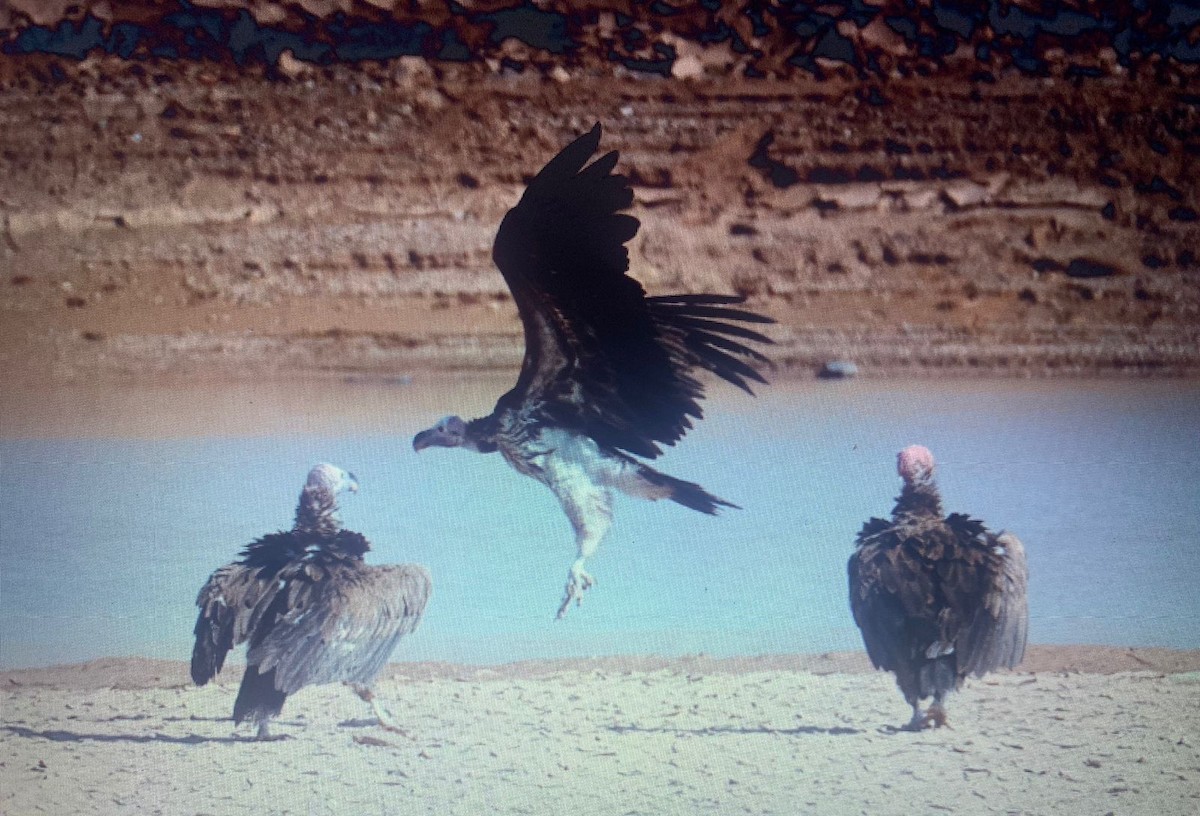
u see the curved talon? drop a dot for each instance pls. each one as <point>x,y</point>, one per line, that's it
<point>562,608</point>
<point>578,582</point>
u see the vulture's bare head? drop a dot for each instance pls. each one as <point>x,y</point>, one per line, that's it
<point>915,464</point>
<point>448,432</point>
<point>331,479</point>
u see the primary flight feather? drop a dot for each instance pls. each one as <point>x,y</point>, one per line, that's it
<point>609,373</point>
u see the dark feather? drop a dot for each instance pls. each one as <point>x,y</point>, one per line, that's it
<point>937,598</point>
<point>341,625</point>
<point>309,608</point>
<point>689,494</point>
<point>600,357</point>
<point>702,298</point>
<point>688,321</point>
<point>258,697</point>
<point>705,306</point>
<point>699,341</point>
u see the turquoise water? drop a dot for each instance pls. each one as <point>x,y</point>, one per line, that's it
<point>105,538</point>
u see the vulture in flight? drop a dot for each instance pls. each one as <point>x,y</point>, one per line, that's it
<point>609,374</point>
<point>310,609</point>
<point>937,598</point>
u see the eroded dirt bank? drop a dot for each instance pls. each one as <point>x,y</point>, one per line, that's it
<point>172,218</point>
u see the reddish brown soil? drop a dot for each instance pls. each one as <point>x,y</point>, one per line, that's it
<point>169,219</point>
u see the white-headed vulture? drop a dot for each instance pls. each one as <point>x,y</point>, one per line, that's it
<point>609,373</point>
<point>309,608</point>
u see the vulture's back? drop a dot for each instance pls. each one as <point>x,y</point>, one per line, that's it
<point>928,587</point>
<point>340,622</point>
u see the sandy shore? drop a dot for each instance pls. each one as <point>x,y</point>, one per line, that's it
<point>1079,730</point>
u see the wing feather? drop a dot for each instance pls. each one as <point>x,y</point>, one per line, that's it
<point>878,608</point>
<point>707,306</point>
<point>702,324</point>
<point>231,603</point>
<point>344,626</point>
<point>600,356</point>
<point>997,635</point>
<point>697,340</point>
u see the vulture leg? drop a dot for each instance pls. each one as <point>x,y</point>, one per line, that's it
<point>386,720</point>
<point>264,732</point>
<point>589,507</point>
<point>918,721</point>
<point>910,685</point>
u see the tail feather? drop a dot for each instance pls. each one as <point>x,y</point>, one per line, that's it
<point>258,699</point>
<point>689,494</point>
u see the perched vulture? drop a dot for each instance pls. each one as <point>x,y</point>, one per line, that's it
<point>936,598</point>
<point>609,373</point>
<point>310,609</point>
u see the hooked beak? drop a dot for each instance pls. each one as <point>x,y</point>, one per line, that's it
<point>425,439</point>
<point>447,433</point>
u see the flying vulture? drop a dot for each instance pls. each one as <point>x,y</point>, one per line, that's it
<point>937,598</point>
<point>609,374</point>
<point>310,609</point>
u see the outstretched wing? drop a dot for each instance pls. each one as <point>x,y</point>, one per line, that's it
<point>232,602</point>
<point>340,622</point>
<point>996,637</point>
<point>600,356</point>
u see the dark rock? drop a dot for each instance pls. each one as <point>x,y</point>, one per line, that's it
<point>1088,268</point>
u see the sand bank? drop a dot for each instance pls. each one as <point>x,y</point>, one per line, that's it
<point>1082,730</point>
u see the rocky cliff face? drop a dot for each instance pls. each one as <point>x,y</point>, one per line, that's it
<point>232,189</point>
<point>855,38</point>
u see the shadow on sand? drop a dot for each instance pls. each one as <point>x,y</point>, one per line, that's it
<point>718,730</point>
<point>74,736</point>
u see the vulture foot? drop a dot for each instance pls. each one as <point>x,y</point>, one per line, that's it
<point>578,582</point>
<point>386,720</point>
<point>935,717</point>
<point>264,734</point>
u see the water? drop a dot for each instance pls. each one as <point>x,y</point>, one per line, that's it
<point>115,507</point>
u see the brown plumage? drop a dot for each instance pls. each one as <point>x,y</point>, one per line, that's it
<point>609,374</point>
<point>311,610</point>
<point>936,598</point>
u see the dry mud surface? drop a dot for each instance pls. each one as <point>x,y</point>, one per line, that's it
<point>1076,730</point>
<point>175,219</point>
